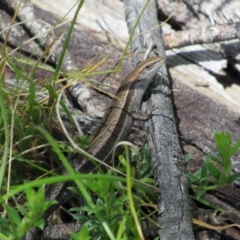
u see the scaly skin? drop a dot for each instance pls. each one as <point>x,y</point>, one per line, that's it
<point>115,127</point>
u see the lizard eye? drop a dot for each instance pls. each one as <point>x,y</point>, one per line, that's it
<point>149,67</point>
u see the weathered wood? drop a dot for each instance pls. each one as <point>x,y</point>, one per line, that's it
<point>201,82</point>
<point>166,155</point>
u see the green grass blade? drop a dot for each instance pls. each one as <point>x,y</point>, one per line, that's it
<point>66,42</point>
<point>6,136</point>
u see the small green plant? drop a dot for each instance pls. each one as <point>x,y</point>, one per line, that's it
<point>14,225</point>
<point>117,202</point>
<point>27,123</point>
<point>216,170</point>
<point>110,205</point>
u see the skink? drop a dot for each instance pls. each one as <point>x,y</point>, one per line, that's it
<point>115,127</point>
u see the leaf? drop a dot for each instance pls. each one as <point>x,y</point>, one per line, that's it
<point>122,160</point>
<point>120,201</point>
<point>145,170</point>
<point>40,224</point>
<point>192,178</point>
<point>36,200</point>
<point>80,218</point>
<point>223,179</point>
<point>75,190</point>
<point>223,145</point>
<point>235,148</point>
<point>13,214</point>
<point>200,193</point>
<point>212,158</point>
<point>145,154</point>
<point>147,180</point>
<point>5,227</point>
<point>30,194</point>
<point>214,171</point>
<point>210,180</point>
<point>103,187</point>
<point>204,175</point>
<point>83,234</point>
<point>112,198</point>
<point>227,167</point>
<point>187,157</point>
<point>234,177</point>
<point>31,98</point>
<point>96,209</point>
<point>198,173</point>
<point>207,203</point>
<point>22,210</point>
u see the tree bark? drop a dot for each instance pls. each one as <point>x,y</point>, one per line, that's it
<point>167,158</point>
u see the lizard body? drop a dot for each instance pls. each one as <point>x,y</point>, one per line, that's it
<point>114,127</point>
